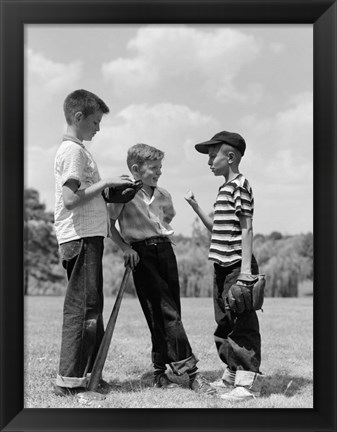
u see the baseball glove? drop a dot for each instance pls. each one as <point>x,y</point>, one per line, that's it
<point>122,194</point>
<point>247,293</point>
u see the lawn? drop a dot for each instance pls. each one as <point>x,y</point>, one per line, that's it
<point>287,356</point>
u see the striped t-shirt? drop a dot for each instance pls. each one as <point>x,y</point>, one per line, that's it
<point>234,198</point>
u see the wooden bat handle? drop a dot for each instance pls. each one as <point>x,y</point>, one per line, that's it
<point>97,369</point>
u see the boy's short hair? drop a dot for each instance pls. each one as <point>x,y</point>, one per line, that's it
<point>225,148</point>
<point>82,101</point>
<point>140,153</point>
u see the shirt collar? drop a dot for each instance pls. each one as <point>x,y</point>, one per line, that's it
<point>67,137</point>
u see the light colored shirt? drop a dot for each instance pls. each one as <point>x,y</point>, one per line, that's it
<point>144,216</point>
<point>89,219</point>
<point>234,198</point>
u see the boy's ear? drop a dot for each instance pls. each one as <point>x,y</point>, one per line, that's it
<point>134,169</point>
<point>78,116</point>
<point>231,157</point>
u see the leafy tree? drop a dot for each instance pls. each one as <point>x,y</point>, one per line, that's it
<point>275,235</point>
<point>40,244</point>
<point>286,260</point>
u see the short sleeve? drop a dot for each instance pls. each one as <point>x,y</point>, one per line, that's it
<point>243,200</point>
<point>73,164</point>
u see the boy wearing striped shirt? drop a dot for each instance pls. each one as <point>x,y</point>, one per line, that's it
<point>237,336</point>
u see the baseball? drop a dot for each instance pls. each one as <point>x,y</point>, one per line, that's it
<point>189,195</point>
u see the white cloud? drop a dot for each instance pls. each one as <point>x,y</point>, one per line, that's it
<point>289,129</point>
<point>39,172</point>
<point>279,163</point>
<point>165,126</point>
<point>180,54</point>
<point>50,77</point>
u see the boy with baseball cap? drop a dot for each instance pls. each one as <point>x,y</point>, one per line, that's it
<point>237,336</point>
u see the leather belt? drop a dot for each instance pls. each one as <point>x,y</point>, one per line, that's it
<point>151,241</point>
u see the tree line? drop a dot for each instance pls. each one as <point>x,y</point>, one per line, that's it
<point>286,260</point>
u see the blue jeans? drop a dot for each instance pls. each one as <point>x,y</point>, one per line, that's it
<point>237,336</point>
<point>83,328</point>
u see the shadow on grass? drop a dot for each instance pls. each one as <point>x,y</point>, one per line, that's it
<point>146,381</point>
<point>284,384</point>
<point>278,384</point>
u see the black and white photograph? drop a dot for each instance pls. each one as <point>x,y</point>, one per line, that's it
<point>175,177</point>
<point>170,87</point>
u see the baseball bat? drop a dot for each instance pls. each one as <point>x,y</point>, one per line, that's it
<point>97,369</point>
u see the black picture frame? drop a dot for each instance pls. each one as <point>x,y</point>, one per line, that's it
<point>322,14</point>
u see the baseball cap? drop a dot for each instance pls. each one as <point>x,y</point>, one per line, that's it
<point>231,138</point>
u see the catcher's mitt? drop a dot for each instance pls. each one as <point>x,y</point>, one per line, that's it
<point>122,194</point>
<point>247,293</point>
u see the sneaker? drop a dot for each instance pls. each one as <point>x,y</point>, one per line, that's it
<point>226,382</point>
<point>221,384</point>
<point>163,381</point>
<point>199,384</point>
<point>239,394</point>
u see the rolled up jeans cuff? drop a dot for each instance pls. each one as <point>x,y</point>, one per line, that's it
<point>182,366</point>
<point>71,382</point>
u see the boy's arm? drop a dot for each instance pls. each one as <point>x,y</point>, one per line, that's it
<point>131,257</point>
<point>204,217</point>
<point>246,243</point>
<point>73,196</point>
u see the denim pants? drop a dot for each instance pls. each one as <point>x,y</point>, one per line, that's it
<point>82,329</point>
<point>157,286</point>
<point>237,336</point>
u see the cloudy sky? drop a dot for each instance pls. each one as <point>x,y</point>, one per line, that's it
<point>172,86</point>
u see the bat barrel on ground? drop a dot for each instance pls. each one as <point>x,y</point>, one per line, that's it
<point>105,344</point>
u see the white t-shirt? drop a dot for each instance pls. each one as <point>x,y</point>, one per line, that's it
<point>74,161</point>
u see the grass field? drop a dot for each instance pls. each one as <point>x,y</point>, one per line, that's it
<point>287,356</point>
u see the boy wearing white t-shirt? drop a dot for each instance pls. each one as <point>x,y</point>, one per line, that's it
<point>81,223</point>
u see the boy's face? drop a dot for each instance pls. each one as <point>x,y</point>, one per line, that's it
<point>218,160</point>
<point>150,172</point>
<point>87,127</point>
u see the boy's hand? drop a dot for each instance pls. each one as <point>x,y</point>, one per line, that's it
<point>122,193</point>
<point>131,258</point>
<point>190,198</point>
<point>247,279</point>
<point>122,180</point>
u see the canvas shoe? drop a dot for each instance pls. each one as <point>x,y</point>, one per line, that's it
<point>226,382</point>
<point>239,394</point>
<point>247,386</point>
